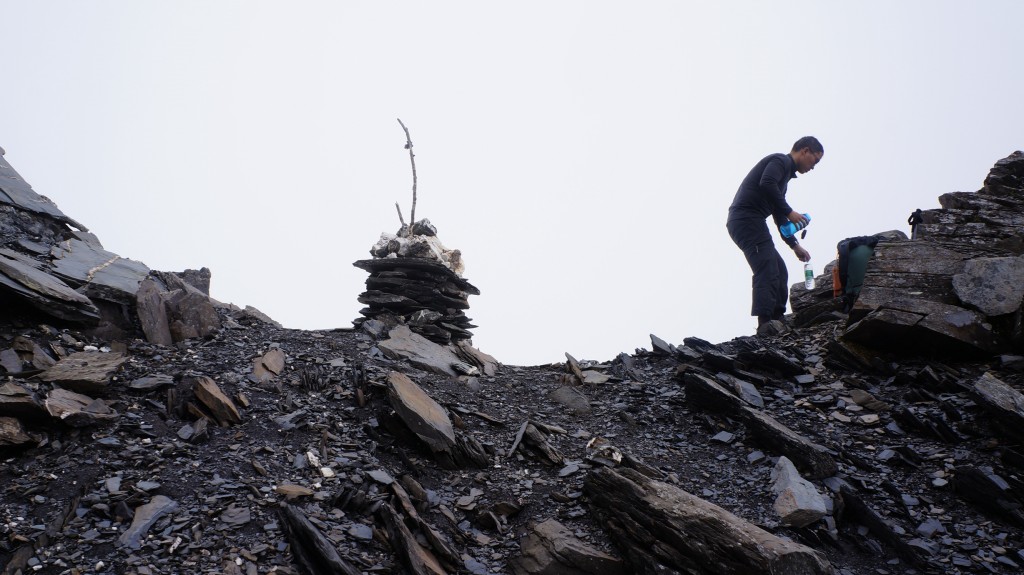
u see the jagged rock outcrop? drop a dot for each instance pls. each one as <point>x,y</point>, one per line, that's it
<point>953,289</point>
<point>51,264</point>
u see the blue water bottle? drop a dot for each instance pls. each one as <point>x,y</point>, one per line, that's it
<point>788,229</point>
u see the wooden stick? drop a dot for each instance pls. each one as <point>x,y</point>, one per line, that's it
<point>412,160</point>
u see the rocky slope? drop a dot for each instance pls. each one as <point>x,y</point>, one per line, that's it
<point>226,444</point>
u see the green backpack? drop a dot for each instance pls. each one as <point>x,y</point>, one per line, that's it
<point>851,264</point>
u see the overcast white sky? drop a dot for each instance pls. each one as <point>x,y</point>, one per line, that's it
<point>582,155</point>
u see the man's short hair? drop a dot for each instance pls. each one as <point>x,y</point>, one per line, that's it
<point>809,142</point>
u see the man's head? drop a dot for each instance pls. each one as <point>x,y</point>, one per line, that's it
<point>807,152</point>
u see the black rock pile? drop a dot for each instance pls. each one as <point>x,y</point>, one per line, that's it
<point>415,281</point>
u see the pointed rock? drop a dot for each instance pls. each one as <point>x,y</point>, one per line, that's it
<point>220,405</point>
<point>152,313</point>
<point>313,551</point>
<point>798,503</point>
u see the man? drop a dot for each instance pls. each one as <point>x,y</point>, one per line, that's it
<point>763,194</point>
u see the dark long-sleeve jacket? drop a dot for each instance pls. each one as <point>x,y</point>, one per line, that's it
<point>763,192</point>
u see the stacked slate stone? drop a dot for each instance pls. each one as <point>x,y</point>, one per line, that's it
<point>416,281</point>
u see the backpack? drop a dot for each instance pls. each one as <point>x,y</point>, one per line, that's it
<point>851,264</point>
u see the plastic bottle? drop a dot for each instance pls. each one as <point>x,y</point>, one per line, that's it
<point>789,228</point>
<point>808,276</point>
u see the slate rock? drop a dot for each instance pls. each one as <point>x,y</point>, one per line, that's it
<point>743,389</point>
<point>101,273</point>
<point>151,382</point>
<point>13,434</point>
<point>403,344</point>
<point>427,419</point>
<point>77,410</point>
<point>152,313</point>
<point>45,292</point>
<point>220,405</point>
<point>661,346</point>
<point>571,398</point>
<point>912,325</point>
<point>550,548</point>
<point>85,372</point>
<point>15,191</point>
<point>17,401</point>
<point>1003,402</point>
<point>268,365</point>
<point>191,315</point>
<point>145,517</point>
<point>664,529</point>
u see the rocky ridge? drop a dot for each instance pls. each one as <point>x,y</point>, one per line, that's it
<point>249,448</point>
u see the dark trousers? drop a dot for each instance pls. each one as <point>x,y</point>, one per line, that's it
<point>771,280</point>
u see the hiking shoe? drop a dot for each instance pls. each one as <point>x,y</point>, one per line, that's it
<point>770,328</point>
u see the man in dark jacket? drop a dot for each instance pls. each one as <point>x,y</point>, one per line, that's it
<point>763,194</point>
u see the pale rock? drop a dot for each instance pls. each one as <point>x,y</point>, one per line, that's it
<point>798,503</point>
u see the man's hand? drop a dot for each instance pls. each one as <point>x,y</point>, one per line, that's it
<point>802,254</point>
<point>797,218</point>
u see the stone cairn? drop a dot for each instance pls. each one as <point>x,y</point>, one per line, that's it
<point>416,281</point>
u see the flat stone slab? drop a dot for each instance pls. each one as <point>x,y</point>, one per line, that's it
<point>18,401</point>
<point>1003,402</point>
<point>420,264</point>
<point>151,382</point>
<point>268,365</point>
<point>404,345</point>
<point>571,398</point>
<point>77,410</point>
<point>104,274</point>
<point>427,419</point>
<point>45,292</point>
<point>85,372</point>
<point>912,324</point>
<point>664,529</point>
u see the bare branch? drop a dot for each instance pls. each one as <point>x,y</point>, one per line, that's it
<point>412,160</point>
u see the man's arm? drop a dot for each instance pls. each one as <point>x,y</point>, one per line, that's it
<point>801,254</point>
<point>770,185</point>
